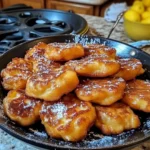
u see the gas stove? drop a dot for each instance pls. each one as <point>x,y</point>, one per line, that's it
<point>20,25</point>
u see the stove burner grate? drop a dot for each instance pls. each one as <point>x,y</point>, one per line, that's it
<point>20,26</point>
<point>8,22</point>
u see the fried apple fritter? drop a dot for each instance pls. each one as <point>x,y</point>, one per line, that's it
<point>16,73</point>
<point>99,49</point>
<point>137,95</point>
<point>40,63</point>
<point>95,66</point>
<point>138,84</point>
<point>20,108</point>
<point>41,83</point>
<point>130,68</point>
<point>50,86</point>
<point>45,65</point>
<point>101,91</point>
<point>36,53</point>
<point>116,118</point>
<point>64,51</point>
<point>68,118</point>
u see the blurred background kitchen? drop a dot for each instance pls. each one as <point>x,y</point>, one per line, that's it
<point>88,7</point>
<point>100,16</point>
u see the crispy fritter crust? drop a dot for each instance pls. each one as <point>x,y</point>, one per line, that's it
<point>138,84</point>
<point>137,95</point>
<point>91,49</point>
<point>36,53</point>
<point>36,56</point>
<point>130,68</point>
<point>116,118</point>
<point>20,108</point>
<point>68,118</point>
<point>16,73</point>
<point>45,65</point>
<point>101,91</point>
<point>95,66</point>
<point>50,86</point>
<point>64,51</point>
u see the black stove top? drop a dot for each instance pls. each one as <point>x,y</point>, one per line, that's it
<point>17,26</point>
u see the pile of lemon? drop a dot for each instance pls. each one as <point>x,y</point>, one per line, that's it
<point>139,12</point>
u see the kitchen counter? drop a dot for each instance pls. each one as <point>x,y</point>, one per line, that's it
<point>98,26</point>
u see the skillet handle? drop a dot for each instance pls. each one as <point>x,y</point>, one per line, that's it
<point>116,23</point>
<point>140,44</point>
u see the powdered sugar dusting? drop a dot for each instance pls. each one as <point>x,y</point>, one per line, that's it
<point>59,109</point>
<point>130,63</point>
<point>38,133</point>
<point>84,41</point>
<point>105,141</point>
<point>28,103</point>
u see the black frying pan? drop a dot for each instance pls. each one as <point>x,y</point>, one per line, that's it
<point>36,134</point>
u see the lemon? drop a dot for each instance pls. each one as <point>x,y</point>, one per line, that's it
<point>146,21</point>
<point>146,3</point>
<point>132,15</point>
<point>137,2</point>
<point>138,7</point>
<point>145,14</point>
<point>148,8</point>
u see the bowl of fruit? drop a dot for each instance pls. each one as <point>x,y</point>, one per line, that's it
<point>137,20</point>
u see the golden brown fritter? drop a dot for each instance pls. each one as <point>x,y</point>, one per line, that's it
<point>95,66</point>
<point>16,73</point>
<point>99,49</point>
<point>116,118</point>
<point>45,65</point>
<point>36,53</point>
<point>138,99</point>
<point>40,63</point>
<point>64,51</point>
<point>50,86</point>
<point>43,80</point>
<point>138,84</point>
<point>137,95</point>
<point>130,68</point>
<point>20,108</point>
<point>101,91</point>
<point>68,118</point>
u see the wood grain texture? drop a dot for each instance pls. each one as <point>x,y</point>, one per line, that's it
<point>33,3</point>
<point>0,4</point>
<point>65,6</point>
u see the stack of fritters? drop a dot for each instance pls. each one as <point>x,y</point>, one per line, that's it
<point>71,87</point>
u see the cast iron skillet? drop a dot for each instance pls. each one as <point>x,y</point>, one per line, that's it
<point>36,134</point>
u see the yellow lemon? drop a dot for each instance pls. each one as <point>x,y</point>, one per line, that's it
<point>139,7</point>
<point>132,15</point>
<point>146,3</point>
<point>146,21</point>
<point>148,9</point>
<point>137,2</point>
<point>145,14</point>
